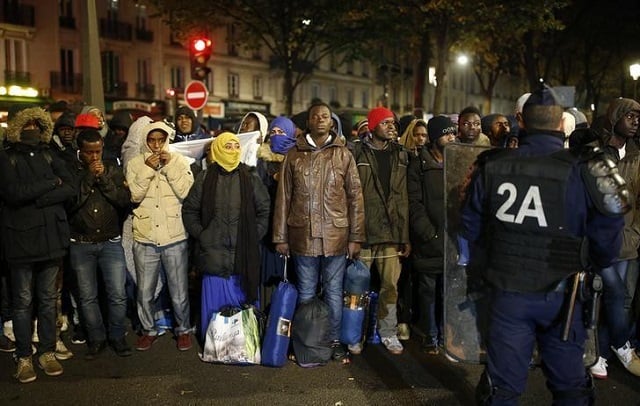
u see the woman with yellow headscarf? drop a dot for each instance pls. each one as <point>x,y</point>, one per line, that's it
<point>227,212</point>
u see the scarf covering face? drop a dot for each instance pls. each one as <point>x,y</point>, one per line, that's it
<point>30,137</point>
<point>227,159</point>
<point>280,144</point>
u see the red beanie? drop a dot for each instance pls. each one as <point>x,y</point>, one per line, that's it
<point>87,121</point>
<point>377,115</point>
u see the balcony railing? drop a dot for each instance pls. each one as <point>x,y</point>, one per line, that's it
<point>66,82</point>
<point>117,30</point>
<point>17,78</point>
<point>115,89</point>
<point>144,35</point>
<point>67,22</point>
<point>145,90</point>
<point>18,14</point>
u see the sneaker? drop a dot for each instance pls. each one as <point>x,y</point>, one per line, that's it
<point>628,357</point>
<point>8,330</point>
<point>120,347</point>
<point>78,336</point>
<point>94,350</point>
<point>404,333</point>
<point>339,352</point>
<point>62,352</point>
<point>49,364</point>
<point>451,359</point>
<point>25,372</point>
<point>599,369</point>
<point>6,345</point>
<point>144,342</point>
<point>429,347</point>
<point>393,345</point>
<point>355,349</point>
<point>184,342</point>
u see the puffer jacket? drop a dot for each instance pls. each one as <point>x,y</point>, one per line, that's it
<point>159,194</point>
<point>319,207</point>
<point>387,219</point>
<point>34,184</point>
<point>425,186</point>
<point>218,241</point>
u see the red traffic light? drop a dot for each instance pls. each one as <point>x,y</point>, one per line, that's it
<point>201,44</point>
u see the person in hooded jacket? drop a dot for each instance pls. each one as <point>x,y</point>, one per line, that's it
<point>252,121</point>
<point>64,137</point>
<point>159,181</point>
<point>280,139</point>
<point>227,212</point>
<point>187,128</point>
<point>117,134</point>
<point>34,184</point>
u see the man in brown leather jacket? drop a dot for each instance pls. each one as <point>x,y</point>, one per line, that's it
<point>319,214</point>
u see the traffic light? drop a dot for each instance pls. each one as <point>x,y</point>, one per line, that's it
<point>199,54</point>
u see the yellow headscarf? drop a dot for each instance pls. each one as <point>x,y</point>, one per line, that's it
<point>228,159</point>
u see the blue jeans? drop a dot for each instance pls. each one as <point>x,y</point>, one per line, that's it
<point>331,271</point>
<point>149,259</point>
<point>108,257</point>
<point>28,280</point>
<point>615,328</point>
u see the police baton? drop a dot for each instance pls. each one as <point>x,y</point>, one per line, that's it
<point>577,279</point>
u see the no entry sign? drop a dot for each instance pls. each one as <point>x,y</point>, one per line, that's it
<point>195,95</point>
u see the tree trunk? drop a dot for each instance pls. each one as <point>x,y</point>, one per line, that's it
<point>422,72</point>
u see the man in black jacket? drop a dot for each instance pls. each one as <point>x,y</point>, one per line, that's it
<point>95,219</point>
<point>34,184</point>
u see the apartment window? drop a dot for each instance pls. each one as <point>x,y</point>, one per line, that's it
<point>333,94</point>
<point>144,71</point>
<point>257,87</point>
<point>141,17</point>
<point>111,70</point>
<point>365,98</point>
<point>65,8</point>
<point>231,39</point>
<point>67,67</point>
<point>349,97</point>
<point>177,77</point>
<point>315,91</point>
<point>233,83</point>
<point>333,64</point>
<point>15,57</point>
<point>113,5</point>
<point>350,67</point>
<point>365,69</point>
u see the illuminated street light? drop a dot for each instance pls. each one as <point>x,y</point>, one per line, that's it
<point>462,59</point>
<point>634,71</point>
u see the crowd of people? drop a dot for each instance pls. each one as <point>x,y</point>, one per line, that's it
<point>112,225</point>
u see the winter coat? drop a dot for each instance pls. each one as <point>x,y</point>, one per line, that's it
<point>157,219</point>
<point>425,185</point>
<point>319,207</point>
<point>34,184</point>
<point>217,242</point>
<point>97,211</point>
<point>387,219</point>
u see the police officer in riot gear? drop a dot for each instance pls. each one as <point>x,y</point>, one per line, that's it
<point>531,210</point>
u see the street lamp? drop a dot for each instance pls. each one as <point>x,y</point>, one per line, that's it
<point>634,71</point>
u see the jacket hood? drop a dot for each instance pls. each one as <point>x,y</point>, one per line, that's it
<point>156,125</point>
<point>121,119</point>
<point>262,122</point>
<point>407,139</point>
<point>136,137</point>
<point>617,109</point>
<point>22,117</point>
<point>185,110</point>
<point>105,128</point>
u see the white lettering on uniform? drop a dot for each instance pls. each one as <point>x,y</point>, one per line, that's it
<point>531,205</point>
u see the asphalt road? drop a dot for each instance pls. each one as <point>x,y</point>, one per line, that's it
<point>165,376</point>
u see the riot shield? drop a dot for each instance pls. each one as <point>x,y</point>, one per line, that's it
<point>464,293</point>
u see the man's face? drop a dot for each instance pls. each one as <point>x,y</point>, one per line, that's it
<point>250,123</point>
<point>420,135</point>
<point>469,128</point>
<point>499,128</point>
<point>386,130</point>
<point>319,121</point>
<point>184,123</point>
<point>156,140</point>
<point>67,135</point>
<point>444,140</point>
<point>90,152</point>
<point>627,126</point>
